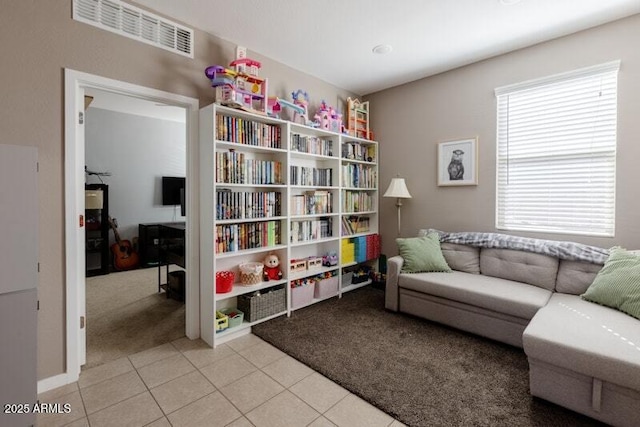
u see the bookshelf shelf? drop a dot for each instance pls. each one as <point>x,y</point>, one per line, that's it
<point>243,329</point>
<point>311,216</point>
<point>303,177</point>
<point>312,187</point>
<point>243,220</point>
<point>302,155</point>
<point>313,242</point>
<point>250,251</point>
<point>239,289</point>
<point>247,148</point>
<point>222,185</point>
<point>360,188</point>
<point>310,273</point>
<point>358,213</point>
<point>356,286</point>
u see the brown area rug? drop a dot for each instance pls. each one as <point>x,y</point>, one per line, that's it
<point>126,315</point>
<point>419,372</point>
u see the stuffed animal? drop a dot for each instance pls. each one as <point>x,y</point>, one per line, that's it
<point>271,270</point>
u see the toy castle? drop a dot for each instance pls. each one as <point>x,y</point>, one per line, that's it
<point>239,86</point>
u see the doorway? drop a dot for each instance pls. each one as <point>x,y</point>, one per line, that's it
<point>76,84</point>
<point>132,147</point>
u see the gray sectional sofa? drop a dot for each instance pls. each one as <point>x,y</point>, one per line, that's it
<point>526,292</point>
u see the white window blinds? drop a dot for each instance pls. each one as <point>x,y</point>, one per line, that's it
<point>557,153</point>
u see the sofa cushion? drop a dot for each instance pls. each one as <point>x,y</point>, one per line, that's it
<point>617,285</point>
<point>422,254</point>
<point>574,277</point>
<point>499,295</point>
<point>521,266</point>
<point>462,257</point>
<point>588,338</point>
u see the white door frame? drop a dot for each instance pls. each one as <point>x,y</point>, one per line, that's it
<point>75,84</point>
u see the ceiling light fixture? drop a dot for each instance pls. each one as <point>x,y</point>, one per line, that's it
<point>381,49</point>
<point>509,2</point>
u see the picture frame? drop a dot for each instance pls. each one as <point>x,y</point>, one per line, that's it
<point>458,162</point>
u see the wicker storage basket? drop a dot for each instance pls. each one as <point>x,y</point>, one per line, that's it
<point>250,273</point>
<point>264,304</point>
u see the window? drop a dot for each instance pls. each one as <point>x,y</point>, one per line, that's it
<point>557,153</point>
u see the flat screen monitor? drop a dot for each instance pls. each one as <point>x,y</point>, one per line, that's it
<point>171,186</point>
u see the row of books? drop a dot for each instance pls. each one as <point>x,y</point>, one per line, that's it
<point>354,224</point>
<point>311,144</point>
<point>360,249</point>
<point>243,131</point>
<point>356,151</point>
<point>234,167</point>
<point>237,237</point>
<point>357,201</point>
<point>357,175</point>
<point>312,203</point>
<point>247,204</point>
<point>303,175</point>
<point>304,231</point>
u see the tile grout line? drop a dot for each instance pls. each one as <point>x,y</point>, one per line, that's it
<point>197,369</point>
<point>84,406</point>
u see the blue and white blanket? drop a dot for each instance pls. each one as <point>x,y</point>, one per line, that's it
<point>564,250</point>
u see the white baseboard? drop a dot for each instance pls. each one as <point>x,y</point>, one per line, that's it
<point>55,382</point>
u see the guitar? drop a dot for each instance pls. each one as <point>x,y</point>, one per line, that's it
<point>124,257</point>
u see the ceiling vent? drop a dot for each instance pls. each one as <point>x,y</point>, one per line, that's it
<point>135,23</point>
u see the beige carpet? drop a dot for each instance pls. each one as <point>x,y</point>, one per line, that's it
<point>126,314</point>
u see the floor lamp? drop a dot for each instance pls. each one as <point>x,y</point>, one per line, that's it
<point>398,189</point>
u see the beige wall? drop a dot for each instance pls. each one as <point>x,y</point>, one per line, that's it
<point>38,40</point>
<point>411,119</point>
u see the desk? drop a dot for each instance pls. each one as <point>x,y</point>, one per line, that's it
<point>172,251</point>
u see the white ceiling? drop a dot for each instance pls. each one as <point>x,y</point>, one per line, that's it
<point>333,39</point>
<point>131,105</point>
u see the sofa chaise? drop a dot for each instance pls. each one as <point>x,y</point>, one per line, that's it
<point>526,293</point>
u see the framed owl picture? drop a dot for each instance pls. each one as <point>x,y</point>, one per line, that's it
<point>458,162</point>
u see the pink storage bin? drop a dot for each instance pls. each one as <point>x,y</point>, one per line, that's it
<point>326,288</point>
<point>302,295</point>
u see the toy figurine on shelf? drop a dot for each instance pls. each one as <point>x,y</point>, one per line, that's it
<point>240,87</point>
<point>271,269</point>
<point>330,259</point>
<point>301,99</point>
<point>275,106</point>
<point>328,119</point>
<point>358,119</point>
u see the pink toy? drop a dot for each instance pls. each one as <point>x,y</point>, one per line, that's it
<point>275,106</point>
<point>271,269</point>
<point>240,87</point>
<point>328,119</point>
<point>301,99</point>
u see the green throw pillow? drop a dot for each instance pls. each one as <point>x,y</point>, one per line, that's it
<point>617,285</point>
<point>422,254</point>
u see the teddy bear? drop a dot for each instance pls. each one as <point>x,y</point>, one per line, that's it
<point>271,270</point>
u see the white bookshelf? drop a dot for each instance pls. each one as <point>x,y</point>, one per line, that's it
<point>313,171</point>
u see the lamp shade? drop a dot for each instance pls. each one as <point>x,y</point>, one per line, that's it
<point>397,189</point>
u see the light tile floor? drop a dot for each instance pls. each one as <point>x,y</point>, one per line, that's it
<point>246,382</point>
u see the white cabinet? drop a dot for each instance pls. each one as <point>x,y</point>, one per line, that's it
<point>272,186</point>
<point>18,283</point>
